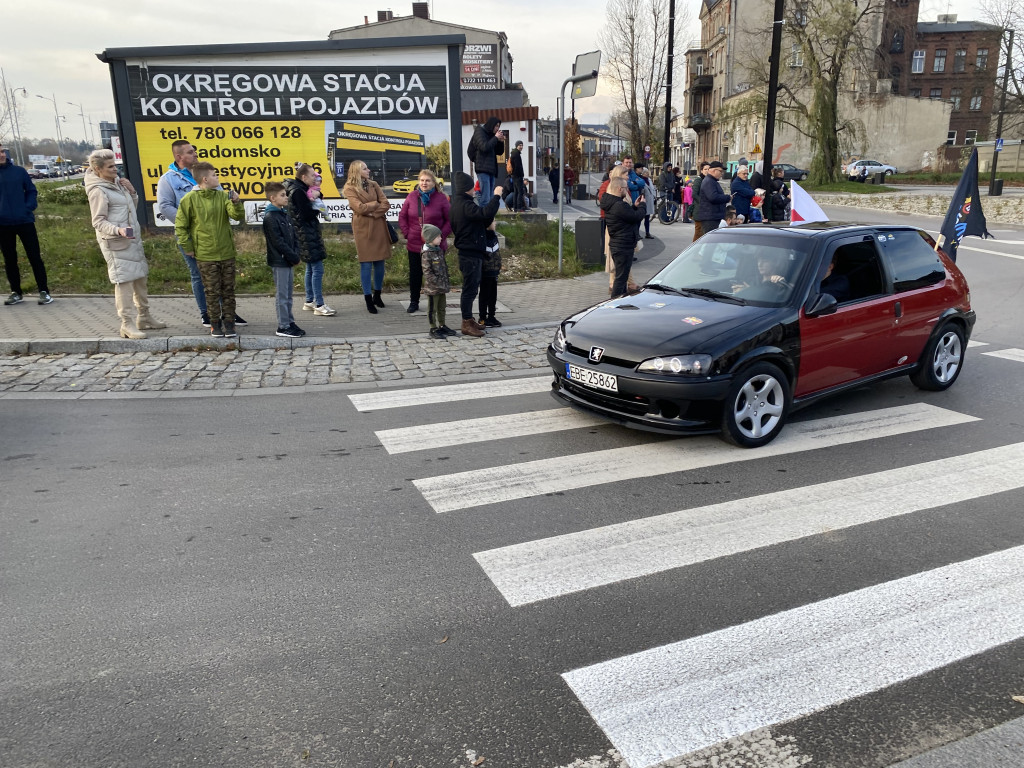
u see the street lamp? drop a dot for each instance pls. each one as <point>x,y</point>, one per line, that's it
<point>56,120</point>
<point>85,131</point>
<point>12,109</point>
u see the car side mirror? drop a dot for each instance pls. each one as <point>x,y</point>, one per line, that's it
<point>824,304</point>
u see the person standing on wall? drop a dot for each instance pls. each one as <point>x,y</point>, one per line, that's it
<point>518,179</point>
<point>18,222</point>
<point>177,182</point>
<point>370,230</point>
<point>487,144</point>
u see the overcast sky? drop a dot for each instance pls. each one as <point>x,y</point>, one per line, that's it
<point>49,46</point>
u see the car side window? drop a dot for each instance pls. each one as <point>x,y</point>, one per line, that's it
<point>856,272</point>
<point>913,262</point>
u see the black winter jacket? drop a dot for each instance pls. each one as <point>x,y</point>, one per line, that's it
<point>621,218</point>
<point>469,220</point>
<point>306,220</point>
<point>712,200</point>
<point>282,244</point>
<point>488,147</point>
<point>517,164</point>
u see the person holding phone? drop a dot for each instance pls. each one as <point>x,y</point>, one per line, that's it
<point>112,203</point>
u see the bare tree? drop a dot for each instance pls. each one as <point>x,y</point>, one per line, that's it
<point>1009,14</point>
<point>634,44</point>
<point>829,45</point>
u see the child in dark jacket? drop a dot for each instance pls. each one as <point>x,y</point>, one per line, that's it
<point>282,256</point>
<point>489,280</point>
<point>436,282</point>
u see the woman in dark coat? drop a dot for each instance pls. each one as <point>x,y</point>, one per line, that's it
<point>623,233</point>
<point>306,220</point>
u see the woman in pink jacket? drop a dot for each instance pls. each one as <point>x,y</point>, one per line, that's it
<point>425,205</point>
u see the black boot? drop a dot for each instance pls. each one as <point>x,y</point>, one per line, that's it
<point>369,304</point>
<point>376,300</point>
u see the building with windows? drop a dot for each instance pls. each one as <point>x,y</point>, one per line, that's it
<point>956,61</point>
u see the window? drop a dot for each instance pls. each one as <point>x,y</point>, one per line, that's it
<point>853,79</point>
<point>917,66</point>
<point>970,137</point>
<point>982,61</point>
<point>976,99</point>
<point>800,16</point>
<point>914,263</point>
<point>797,57</point>
<point>915,93</point>
<point>959,59</point>
<point>951,138</point>
<point>894,74</point>
<point>897,42</point>
<point>939,63</point>
<point>700,65</point>
<point>935,93</point>
<point>954,96</point>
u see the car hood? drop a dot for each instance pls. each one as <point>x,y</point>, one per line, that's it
<point>654,323</point>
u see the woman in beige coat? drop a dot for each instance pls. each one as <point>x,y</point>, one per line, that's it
<point>112,202</point>
<point>370,228</point>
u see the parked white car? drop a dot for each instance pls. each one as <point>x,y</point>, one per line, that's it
<point>860,169</point>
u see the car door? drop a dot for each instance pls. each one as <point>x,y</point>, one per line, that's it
<point>849,343</point>
<point>917,277</point>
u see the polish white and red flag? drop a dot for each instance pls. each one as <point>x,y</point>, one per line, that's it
<point>804,210</point>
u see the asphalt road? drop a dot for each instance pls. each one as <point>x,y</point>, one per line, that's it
<point>291,581</point>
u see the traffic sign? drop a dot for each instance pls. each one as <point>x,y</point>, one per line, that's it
<point>999,145</point>
<point>757,149</point>
<point>647,148</point>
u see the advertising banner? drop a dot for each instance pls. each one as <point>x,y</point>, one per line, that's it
<point>255,122</point>
<point>480,67</point>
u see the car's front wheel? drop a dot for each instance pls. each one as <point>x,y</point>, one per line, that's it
<point>942,361</point>
<point>756,406</point>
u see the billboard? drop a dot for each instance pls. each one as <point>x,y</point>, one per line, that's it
<point>256,116</point>
<point>480,67</point>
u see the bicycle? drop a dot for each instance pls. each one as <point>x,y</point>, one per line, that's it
<point>667,210</point>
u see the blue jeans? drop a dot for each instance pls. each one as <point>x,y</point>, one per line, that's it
<point>197,280</point>
<point>315,282</point>
<point>283,295</point>
<point>486,188</point>
<point>378,275</point>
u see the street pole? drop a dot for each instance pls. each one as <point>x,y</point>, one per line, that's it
<point>81,111</point>
<point>773,95</point>
<point>668,78</point>
<point>1002,108</point>
<point>56,122</point>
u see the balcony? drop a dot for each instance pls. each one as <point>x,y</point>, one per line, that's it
<point>698,122</point>
<point>702,82</point>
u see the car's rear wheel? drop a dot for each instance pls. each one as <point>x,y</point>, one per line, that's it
<point>942,361</point>
<point>803,177</point>
<point>756,406</point>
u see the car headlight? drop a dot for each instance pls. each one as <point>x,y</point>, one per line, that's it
<point>558,344</point>
<point>680,365</point>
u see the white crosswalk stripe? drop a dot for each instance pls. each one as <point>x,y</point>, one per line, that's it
<point>1017,355</point>
<point>403,398</point>
<point>475,488</point>
<point>538,570</point>
<point>670,701</point>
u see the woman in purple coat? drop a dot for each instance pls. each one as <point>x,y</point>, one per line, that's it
<point>425,205</point>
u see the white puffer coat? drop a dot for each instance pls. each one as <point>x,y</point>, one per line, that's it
<point>113,208</point>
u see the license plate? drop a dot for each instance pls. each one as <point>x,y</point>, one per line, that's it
<point>589,378</point>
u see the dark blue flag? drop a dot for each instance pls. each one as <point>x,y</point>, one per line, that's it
<point>964,216</point>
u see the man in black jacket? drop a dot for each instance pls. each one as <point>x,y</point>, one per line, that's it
<point>469,227</point>
<point>712,199</point>
<point>622,220</point>
<point>518,178</point>
<point>489,142</point>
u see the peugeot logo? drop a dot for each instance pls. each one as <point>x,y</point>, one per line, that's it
<point>596,353</point>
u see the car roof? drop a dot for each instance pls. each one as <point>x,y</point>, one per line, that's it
<point>813,229</point>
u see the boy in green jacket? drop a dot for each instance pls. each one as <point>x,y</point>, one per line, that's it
<point>204,232</point>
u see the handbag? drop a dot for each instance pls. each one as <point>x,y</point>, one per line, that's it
<point>392,232</point>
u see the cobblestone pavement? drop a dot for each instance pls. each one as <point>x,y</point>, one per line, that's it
<point>359,364</point>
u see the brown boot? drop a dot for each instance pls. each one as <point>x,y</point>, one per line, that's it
<point>470,328</point>
<point>147,322</point>
<point>129,332</point>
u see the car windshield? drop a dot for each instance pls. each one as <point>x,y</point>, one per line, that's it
<point>742,265</point>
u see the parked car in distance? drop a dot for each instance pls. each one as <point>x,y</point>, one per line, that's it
<point>791,172</point>
<point>751,322</point>
<point>405,186</point>
<point>861,169</point>
<point>35,173</point>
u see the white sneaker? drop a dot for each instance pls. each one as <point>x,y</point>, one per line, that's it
<point>324,310</point>
<point>309,306</point>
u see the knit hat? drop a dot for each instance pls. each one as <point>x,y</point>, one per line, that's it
<point>430,232</point>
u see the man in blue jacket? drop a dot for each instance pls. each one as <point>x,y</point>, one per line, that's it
<point>712,199</point>
<point>18,222</point>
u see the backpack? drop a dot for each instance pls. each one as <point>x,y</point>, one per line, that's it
<point>471,150</point>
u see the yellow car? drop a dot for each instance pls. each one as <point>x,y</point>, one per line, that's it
<point>405,186</point>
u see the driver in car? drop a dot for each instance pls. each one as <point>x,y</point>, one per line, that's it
<point>769,269</point>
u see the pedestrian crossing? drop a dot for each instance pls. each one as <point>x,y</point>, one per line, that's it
<point>661,704</point>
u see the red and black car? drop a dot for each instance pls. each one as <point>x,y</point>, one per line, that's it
<point>750,322</point>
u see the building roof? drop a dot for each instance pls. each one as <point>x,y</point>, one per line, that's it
<point>936,27</point>
<point>429,25</point>
<point>506,115</point>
